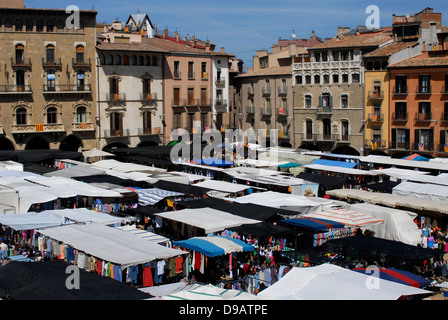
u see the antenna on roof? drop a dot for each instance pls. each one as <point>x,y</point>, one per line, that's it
<point>293,34</point>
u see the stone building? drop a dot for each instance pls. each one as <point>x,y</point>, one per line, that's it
<point>47,79</point>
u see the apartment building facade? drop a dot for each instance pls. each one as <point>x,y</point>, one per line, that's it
<point>130,95</point>
<point>47,83</point>
<point>419,105</point>
<point>328,86</point>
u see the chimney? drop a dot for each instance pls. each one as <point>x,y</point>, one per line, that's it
<point>207,46</point>
<point>165,33</point>
<point>222,50</point>
<point>155,31</point>
<point>313,35</point>
<point>177,36</point>
<point>424,46</point>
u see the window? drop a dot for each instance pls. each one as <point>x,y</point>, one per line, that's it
<point>125,60</point>
<point>134,60</point>
<point>425,137</point>
<point>141,60</point>
<point>424,84</point>
<point>50,53</point>
<point>147,122</point>
<point>299,80</point>
<point>326,100</point>
<point>424,110</point>
<point>176,96</point>
<point>79,54</point>
<point>8,25</point>
<point>114,88</point>
<point>51,115</point>
<point>81,114</point>
<point>20,80</point>
<point>344,101</point>
<point>190,96</point>
<point>148,60</point>
<point>177,120</point>
<point>51,80</point>
<point>39,26</point>
<point>400,111</point>
<point>219,97</point>
<point>401,138</point>
<point>110,60</point>
<point>309,129</point>
<point>345,78</point>
<point>445,88</point>
<point>317,79</point>
<point>355,78</point>
<point>204,121</point>
<point>154,60</point>
<point>326,129</point>
<point>21,116</point>
<point>20,54</point>
<point>203,96</point>
<point>146,87</point>
<point>176,70</point>
<point>204,70</point>
<point>401,84</point>
<point>308,79</point>
<point>29,26</point>
<point>80,80</point>
<point>335,78</point>
<point>50,26</point>
<point>19,25</point>
<point>115,123</point>
<point>190,70</point>
<point>344,130</point>
<point>190,122</point>
<point>60,26</point>
<point>308,101</point>
<point>326,78</point>
<point>118,60</point>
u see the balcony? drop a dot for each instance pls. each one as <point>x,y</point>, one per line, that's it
<point>326,65</point>
<point>21,64</point>
<point>266,91</point>
<point>423,90</point>
<point>191,75</point>
<point>177,75</point>
<point>190,102</point>
<point>444,117</point>
<point>116,97</point>
<point>67,89</point>
<point>282,91</point>
<point>148,97</point>
<point>423,117</point>
<point>81,64</point>
<point>8,89</point>
<point>400,90</point>
<point>149,131</point>
<point>250,110</point>
<point>307,137</point>
<point>38,127</point>
<point>83,126</point>
<point>220,81</point>
<point>282,112</point>
<point>423,147</point>
<point>266,111</point>
<point>116,133</point>
<point>204,75</point>
<point>178,102</point>
<point>204,102</point>
<point>375,117</point>
<point>380,144</point>
<point>399,116</point>
<point>283,134</point>
<point>326,137</point>
<point>52,64</point>
<point>399,145</point>
<point>445,90</point>
<point>375,95</point>
<point>442,148</point>
<point>221,103</point>
<point>325,110</point>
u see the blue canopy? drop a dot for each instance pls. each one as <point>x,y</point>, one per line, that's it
<point>333,163</point>
<point>215,162</point>
<point>214,246</point>
<point>289,165</point>
<point>396,275</point>
<point>313,224</point>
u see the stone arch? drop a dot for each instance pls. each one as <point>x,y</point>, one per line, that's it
<point>37,142</point>
<point>6,144</point>
<point>71,143</point>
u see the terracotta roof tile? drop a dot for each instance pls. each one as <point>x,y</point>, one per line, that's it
<point>421,61</point>
<point>141,46</point>
<point>389,49</point>
<point>356,41</point>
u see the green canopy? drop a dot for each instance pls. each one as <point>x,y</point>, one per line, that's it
<point>289,165</point>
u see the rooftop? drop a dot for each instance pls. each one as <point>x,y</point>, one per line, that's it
<point>267,72</point>
<point>390,49</point>
<point>357,41</point>
<point>421,61</point>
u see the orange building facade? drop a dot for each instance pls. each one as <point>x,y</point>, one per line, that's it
<point>419,105</point>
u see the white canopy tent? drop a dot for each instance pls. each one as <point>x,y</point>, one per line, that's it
<point>285,201</point>
<point>97,153</point>
<point>147,235</point>
<point>398,224</point>
<point>348,217</point>
<point>110,244</point>
<point>222,186</point>
<point>52,218</point>
<point>75,171</point>
<point>112,164</point>
<point>424,191</point>
<point>331,282</point>
<point>209,219</point>
<point>343,170</point>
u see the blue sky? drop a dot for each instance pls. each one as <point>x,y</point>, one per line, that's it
<point>245,26</point>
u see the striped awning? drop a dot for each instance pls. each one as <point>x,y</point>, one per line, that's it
<point>346,217</point>
<point>214,246</point>
<point>152,196</point>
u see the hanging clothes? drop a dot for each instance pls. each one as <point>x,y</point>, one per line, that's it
<point>132,274</point>
<point>147,276</point>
